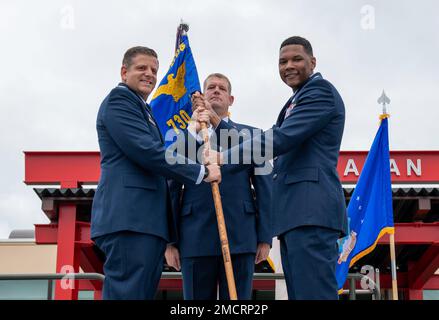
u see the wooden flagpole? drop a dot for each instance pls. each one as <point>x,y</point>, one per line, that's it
<point>393,267</point>
<point>221,226</point>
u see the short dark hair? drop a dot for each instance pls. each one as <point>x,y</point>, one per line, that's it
<point>134,51</point>
<point>218,75</point>
<point>300,41</point>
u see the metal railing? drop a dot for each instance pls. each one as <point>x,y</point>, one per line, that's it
<point>50,277</point>
<point>53,276</point>
<point>374,287</point>
<point>374,291</point>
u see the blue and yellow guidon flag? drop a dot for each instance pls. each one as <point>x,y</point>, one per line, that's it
<point>370,212</point>
<point>171,103</point>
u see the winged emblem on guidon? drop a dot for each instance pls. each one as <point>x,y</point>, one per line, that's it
<point>175,86</point>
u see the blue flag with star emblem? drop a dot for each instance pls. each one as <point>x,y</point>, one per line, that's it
<point>171,103</point>
<point>370,212</point>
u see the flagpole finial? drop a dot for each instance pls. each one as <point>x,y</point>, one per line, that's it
<point>182,30</point>
<point>383,99</point>
<point>183,27</point>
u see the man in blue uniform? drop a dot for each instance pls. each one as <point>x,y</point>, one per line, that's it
<point>131,214</point>
<point>247,218</point>
<point>308,205</point>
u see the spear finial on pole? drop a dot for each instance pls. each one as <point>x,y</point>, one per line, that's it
<point>383,99</point>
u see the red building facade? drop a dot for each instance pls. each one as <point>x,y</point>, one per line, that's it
<point>415,186</point>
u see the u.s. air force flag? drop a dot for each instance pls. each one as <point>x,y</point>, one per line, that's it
<point>171,103</point>
<point>370,212</point>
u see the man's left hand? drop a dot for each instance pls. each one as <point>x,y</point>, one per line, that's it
<point>262,252</point>
<point>172,257</point>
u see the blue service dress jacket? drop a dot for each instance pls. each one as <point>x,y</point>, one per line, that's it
<point>133,194</point>
<point>304,144</point>
<point>247,212</point>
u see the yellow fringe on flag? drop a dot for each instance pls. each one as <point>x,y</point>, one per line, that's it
<point>388,230</point>
<point>270,262</point>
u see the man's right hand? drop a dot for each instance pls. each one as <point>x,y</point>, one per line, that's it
<point>172,257</point>
<point>199,115</point>
<point>214,173</point>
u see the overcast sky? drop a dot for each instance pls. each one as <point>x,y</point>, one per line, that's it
<point>61,58</point>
